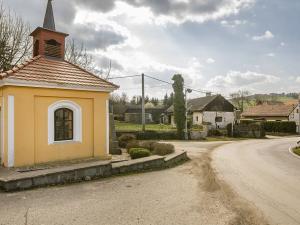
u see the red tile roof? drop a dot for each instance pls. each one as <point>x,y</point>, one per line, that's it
<point>52,71</point>
<point>269,111</point>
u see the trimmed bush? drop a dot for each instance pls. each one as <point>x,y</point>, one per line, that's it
<point>133,144</point>
<point>163,149</point>
<point>214,133</point>
<point>124,139</point>
<point>280,126</point>
<point>148,145</point>
<point>136,153</point>
<point>247,122</point>
<point>154,135</point>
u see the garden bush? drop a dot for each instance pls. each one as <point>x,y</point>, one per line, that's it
<point>136,153</point>
<point>154,135</point>
<point>215,133</point>
<point>280,126</point>
<point>148,145</point>
<point>163,149</point>
<point>124,139</point>
<point>133,144</point>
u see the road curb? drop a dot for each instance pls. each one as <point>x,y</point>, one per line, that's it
<point>292,152</point>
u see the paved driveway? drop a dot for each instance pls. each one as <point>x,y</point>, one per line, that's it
<point>265,173</point>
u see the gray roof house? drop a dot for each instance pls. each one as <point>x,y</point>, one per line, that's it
<point>214,110</point>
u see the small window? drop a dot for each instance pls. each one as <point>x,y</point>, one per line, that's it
<point>53,48</point>
<point>219,119</point>
<point>63,124</point>
<point>197,118</point>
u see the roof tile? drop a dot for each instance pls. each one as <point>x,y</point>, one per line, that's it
<point>42,69</point>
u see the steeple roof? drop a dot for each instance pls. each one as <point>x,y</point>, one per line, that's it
<point>49,22</point>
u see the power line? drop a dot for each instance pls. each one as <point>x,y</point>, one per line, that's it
<point>195,90</point>
<point>113,78</point>
<point>163,81</point>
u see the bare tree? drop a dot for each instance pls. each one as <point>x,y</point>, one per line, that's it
<point>78,55</point>
<point>240,99</point>
<point>15,43</point>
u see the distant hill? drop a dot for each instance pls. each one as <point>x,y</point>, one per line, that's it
<point>272,98</point>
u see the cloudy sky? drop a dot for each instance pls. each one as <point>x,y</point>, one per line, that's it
<point>218,45</point>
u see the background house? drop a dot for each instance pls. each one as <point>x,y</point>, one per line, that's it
<point>278,112</point>
<point>132,113</point>
<point>214,110</point>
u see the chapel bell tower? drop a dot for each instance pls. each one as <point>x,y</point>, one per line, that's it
<point>46,40</point>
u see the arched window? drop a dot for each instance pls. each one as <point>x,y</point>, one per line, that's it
<point>63,124</point>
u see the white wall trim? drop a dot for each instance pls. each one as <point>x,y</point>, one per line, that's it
<point>77,120</point>
<point>11,131</point>
<point>22,83</point>
<point>2,131</point>
<point>107,126</point>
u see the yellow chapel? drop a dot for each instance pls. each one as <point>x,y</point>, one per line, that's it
<point>52,110</point>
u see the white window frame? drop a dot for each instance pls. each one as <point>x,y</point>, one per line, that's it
<point>77,121</point>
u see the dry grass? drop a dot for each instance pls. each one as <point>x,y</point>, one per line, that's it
<point>297,151</point>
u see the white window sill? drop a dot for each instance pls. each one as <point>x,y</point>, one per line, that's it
<point>65,142</point>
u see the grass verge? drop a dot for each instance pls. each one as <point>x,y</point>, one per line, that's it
<point>296,151</point>
<point>122,126</point>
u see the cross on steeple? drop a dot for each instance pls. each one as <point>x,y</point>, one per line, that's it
<point>49,22</point>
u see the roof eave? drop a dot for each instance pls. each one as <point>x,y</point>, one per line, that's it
<point>35,84</point>
<point>33,33</point>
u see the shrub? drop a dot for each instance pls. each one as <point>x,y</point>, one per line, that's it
<point>124,139</point>
<point>136,153</point>
<point>163,149</point>
<point>214,132</point>
<point>197,127</point>
<point>133,144</point>
<point>155,135</point>
<point>280,126</point>
<point>247,121</point>
<point>148,145</point>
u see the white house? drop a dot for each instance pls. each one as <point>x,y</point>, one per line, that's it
<point>214,110</point>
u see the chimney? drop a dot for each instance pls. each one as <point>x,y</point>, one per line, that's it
<point>46,40</point>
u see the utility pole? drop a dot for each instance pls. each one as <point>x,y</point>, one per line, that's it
<point>143,104</point>
<point>186,133</point>
<point>298,110</point>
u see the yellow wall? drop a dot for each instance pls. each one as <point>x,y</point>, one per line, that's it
<point>31,125</point>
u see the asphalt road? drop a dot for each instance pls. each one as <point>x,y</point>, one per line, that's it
<point>264,173</point>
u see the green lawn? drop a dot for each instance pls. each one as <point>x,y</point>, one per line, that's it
<point>297,151</point>
<point>122,126</point>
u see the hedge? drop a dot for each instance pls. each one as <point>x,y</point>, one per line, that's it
<point>136,153</point>
<point>280,126</point>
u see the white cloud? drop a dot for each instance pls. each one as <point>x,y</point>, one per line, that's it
<point>282,44</point>
<point>233,23</point>
<point>235,80</point>
<point>298,79</point>
<point>210,61</point>
<point>271,54</point>
<point>172,11</point>
<point>266,36</point>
